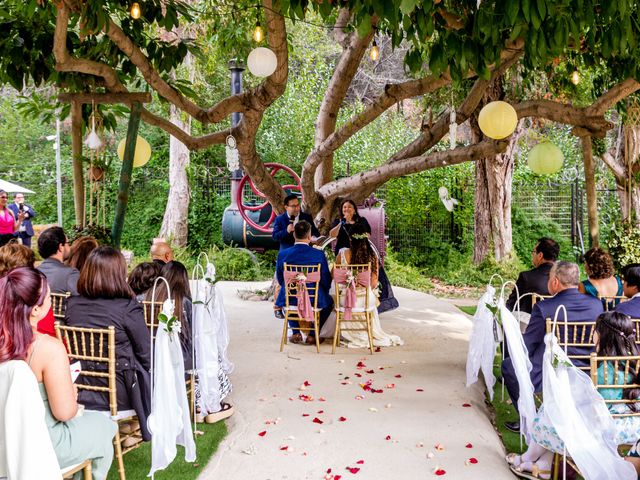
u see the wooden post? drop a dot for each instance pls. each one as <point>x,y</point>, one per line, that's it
<point>592,194</point>
<point>78,170</point>
<point>125,173</point>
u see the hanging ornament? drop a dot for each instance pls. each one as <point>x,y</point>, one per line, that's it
<point>135,11</point>
<point>447,201</point>
<point>262,62</point>
<point>453,130</point>
<point>575,77</point>
<point>233,159</point>
<point>545,159</point>
<point>498,120</point>
<point>93,140</point>
<point>142,153</point>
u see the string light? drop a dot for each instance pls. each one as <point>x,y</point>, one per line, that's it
<point>135,11</point>
<point>374,53</point>
<point>575,77</point>
<point>258,33</point>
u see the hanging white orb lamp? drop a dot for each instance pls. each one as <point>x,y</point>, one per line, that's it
<point>545,159</point>
<point>498,120</point>
<point>262,62</point>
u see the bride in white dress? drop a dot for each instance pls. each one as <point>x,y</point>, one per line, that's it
<point>358,339</point>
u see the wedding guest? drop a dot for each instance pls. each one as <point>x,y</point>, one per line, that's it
<point>564,278</point>
<point>161,251</point>
<point>303,254</point>
<point>24,301</point>
<point>80,250</point>
<point>284,223</point>
<point>53,246</point>
<point>142,277</point>
<point>601,281</point>
<point>9,223</point>
<point>543,256</point>
<point>25,230</point>
<point>631,289</point>
<point>106,300</point>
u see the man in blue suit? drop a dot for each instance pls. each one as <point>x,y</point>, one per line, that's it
<point>26,228</point>
<point>284,224</point>
<point>631,289</point>
<point>303,254</point>
<point>564,278</point>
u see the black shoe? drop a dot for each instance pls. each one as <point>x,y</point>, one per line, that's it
<point>513,426</point>
<point>278,313</point>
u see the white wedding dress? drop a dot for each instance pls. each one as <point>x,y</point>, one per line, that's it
<point>359,339</point>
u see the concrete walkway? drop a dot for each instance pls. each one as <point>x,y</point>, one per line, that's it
<point>388,435</point>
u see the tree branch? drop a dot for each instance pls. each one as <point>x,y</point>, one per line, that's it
<point>613,96</point>
<point>616,168</point>
<point>411,165</point>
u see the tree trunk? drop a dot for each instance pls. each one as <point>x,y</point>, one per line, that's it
<point>592,194</point>
<point>494,177</point>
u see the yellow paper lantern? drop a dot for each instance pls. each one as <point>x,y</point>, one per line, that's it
<point>545,159</point>
<point>142,154</point>
<point>498,120</point>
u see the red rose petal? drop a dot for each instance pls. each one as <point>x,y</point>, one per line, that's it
<point>371,371</point>
<point>306,383</point>
<point>440,472</point>
<point>357,375</point>
<point>378,349</point>
<point>305,414</point>
<point>419,390</point>
<point>360,462</point>
<point>284,447</point>
<point>361,365</point>
<point>317,420</point>
<point>473,460</point>
<point>466,405</point>
<point>263,433</point>
<point>328,470</point>
<point>320,412</point>
<point>388,437</point>
<point>337,477</point>
<point>398,376</point>
<point>342,419</point>
<point>468,445</point>
<point>353,470</point>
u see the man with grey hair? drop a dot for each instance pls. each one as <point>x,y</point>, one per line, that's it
<point>564,278</point>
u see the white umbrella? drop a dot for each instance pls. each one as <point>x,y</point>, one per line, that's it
<point>13,188</point>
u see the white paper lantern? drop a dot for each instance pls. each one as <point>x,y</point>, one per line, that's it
<point>262,62</point>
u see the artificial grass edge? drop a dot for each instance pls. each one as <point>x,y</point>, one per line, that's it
<point>138,462</point>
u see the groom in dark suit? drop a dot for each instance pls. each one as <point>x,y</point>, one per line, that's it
<point>26,228</point>
<point>303,254</point>
<point>563,284</point>
<point>284,224</point>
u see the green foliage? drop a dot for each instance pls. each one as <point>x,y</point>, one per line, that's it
<point>527,230</point>
<point>238,264</point>
<point>101,234</point>
<point>624,245</point>
<point>205,223</point>
<point>406,275</point>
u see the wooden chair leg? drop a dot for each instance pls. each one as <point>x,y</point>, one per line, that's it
<point>118,450</point>
<point>336,333</point>
<point>368,318</point>
<point>88,473</point>
<point>316,330</point>
<point>284,333</point>
<point>556,466</point>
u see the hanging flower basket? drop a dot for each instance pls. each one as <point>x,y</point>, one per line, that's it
<point>96,174</point>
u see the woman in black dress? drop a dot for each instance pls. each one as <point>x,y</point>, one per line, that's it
<point>341,229</point>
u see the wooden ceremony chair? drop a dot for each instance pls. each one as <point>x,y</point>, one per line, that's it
<point>360,315</point>
<point>59,304</point>
<point>609,303</point>
<point>536,297</point>
<point>84,467</point>
<point>636,329</point>
<point>291,312</point>
<point>577,334</point>
<point>98,345</point>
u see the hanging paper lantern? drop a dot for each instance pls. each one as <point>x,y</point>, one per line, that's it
<point>262,62</point>
<point>498,120</point>
<point>545,159</point>
<point>142,154</point>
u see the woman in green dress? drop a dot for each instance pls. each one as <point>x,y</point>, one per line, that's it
<point>76,437</point>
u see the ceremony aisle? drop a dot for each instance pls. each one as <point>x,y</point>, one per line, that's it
<point>401,413</point>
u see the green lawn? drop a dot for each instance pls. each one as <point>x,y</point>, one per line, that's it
<point>138,461</point>
<point>471,310</point>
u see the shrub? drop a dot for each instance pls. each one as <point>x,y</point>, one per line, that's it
<point>624,244</point>
<point>405,275</point>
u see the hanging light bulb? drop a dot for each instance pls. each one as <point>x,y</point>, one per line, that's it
<point>374,53</point>
<point>258,33</point>
<point>135,11</point>
<point>575,77</point>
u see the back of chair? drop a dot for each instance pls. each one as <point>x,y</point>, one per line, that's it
<point>148,308</point>
<point>636,329</point>
<point>59,304</point>
<point>96,345</point>
<point>293,287</point>
<point>361,274</point>
<point>575,335</point>
<point>616,373</point>
<point>536,297</point>
<point>610,302</point>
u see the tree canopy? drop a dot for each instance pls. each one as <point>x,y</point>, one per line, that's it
<point>96,46</point>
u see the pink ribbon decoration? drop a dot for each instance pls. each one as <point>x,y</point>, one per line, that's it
<point>345,276</point>
<point>305,310</point>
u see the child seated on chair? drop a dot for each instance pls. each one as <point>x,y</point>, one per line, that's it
<point>76,437</point>
<point>614,336</point>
